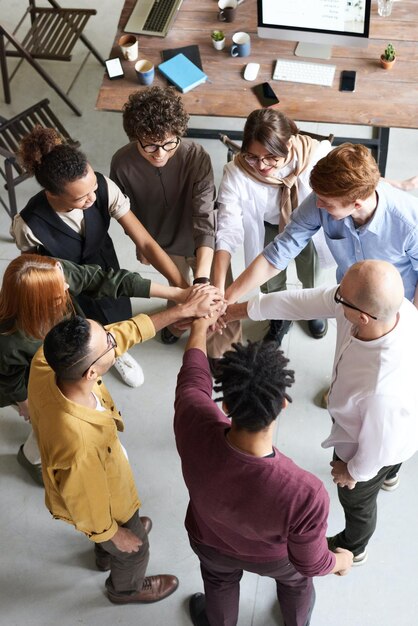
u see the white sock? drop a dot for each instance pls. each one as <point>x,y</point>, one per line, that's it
<point>31,450</point>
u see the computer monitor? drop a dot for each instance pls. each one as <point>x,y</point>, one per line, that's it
<point>316,24</point>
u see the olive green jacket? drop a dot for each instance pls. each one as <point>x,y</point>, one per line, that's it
<point>17,349</point>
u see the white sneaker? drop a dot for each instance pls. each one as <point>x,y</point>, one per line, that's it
<point>360,559</point>
<point>391,483</point>
<point>129,370</point>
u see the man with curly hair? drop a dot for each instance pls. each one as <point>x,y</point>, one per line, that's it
<point>251,508</point>
<point>170,184</point>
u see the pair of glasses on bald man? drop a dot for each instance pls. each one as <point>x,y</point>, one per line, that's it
<point>339,300</point>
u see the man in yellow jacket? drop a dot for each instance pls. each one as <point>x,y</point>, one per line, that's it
<point>87,476</point>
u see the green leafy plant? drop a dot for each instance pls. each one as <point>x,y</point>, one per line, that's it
<point>389,53</point>
<point>217,35</point>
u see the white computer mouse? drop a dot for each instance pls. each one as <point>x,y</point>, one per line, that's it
<point>251,71</point>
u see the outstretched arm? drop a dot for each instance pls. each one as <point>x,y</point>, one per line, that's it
<point>151,249</point>
<point>221,263</point>
<point>204,256</point>
<point>203,301</point>
<point>255,275</point>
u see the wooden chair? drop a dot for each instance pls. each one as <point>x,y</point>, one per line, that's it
<point>11,133</point>
<point>234,147</point>
<point>52,35</point>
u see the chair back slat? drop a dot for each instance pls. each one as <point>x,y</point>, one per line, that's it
<point>54,33</point>
<point>12,132</point>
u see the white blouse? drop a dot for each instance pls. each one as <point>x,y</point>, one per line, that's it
<point>245,204</point>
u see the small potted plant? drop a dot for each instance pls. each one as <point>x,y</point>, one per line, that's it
<point>388,58</point>
<point>218,39</point>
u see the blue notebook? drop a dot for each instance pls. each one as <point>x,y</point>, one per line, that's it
<point>184,74</point>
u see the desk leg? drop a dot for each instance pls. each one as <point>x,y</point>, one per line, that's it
<point>382,148</point>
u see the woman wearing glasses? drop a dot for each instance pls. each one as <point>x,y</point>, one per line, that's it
<point>70,219</point>
<point>260,188</point>
<point>169,181</point>
<point>37,293</point>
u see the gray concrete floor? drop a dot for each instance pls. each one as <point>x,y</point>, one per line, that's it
<point>47,573</point>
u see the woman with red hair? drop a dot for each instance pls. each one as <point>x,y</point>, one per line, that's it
<point>37,293</point>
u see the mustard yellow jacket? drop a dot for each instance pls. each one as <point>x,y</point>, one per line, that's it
<point>88,479</point>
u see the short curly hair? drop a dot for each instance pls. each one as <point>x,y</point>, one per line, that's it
<point>154,114</point>
<point>253,379</point>
<point>54,163</point>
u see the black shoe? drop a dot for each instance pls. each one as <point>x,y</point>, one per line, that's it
<point>277,330</point>
<point>33,469</point>
<point>318,328</point>
<point>197,610</point>
<point>167,337</point>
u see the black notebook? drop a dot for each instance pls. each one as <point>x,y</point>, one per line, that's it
<point>191,52</point>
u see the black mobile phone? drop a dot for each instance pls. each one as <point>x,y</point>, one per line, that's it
<point>114,68</point>
<point>348,81</point>
<point>265,94</point>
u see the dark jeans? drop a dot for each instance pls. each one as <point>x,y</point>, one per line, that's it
<point>127,569</point>
<point>360,509</point>
<point>221,577</point>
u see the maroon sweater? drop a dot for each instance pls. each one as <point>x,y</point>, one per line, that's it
<point>250,508</point>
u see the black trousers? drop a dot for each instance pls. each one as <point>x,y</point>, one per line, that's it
<point>360,509</point>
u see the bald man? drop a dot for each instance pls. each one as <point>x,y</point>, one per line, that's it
<point>373,396</point>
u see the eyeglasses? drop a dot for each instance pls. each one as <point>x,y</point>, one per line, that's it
<point>111,345</point>
<point>339,300</point>
<point>270,161</point>
<point>150,148</point>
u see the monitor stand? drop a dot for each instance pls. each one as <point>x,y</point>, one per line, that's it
<point>313,50</point>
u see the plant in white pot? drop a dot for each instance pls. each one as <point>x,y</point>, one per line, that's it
<point>218,39</point>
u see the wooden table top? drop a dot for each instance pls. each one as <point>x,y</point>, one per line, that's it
<point>382,98</point>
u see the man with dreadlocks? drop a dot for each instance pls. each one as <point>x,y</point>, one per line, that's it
<point>251,508</point>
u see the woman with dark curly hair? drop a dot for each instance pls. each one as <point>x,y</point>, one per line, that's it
<point>70,219</point>
<point>169,182</point>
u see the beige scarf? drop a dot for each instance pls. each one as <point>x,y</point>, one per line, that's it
<point>302,147</point>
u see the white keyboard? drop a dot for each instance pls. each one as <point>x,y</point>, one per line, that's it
<point>304,72</point>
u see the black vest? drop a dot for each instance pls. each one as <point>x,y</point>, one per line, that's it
<point>94,247</point>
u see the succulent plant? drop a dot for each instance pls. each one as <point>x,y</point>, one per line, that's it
<point>389,53</point>
<point>217,35</point>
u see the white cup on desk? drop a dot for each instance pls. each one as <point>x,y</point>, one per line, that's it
<point>129,47</point>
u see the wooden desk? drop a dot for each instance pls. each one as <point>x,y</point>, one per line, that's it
<point>382,99</point>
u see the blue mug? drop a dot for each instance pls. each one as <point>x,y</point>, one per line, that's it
<point>144,71</point>
<point>241,45</point>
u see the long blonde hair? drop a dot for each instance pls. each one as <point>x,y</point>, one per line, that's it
<point>32,297</point>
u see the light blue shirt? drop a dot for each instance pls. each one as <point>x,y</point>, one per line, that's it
<point>390,235</point>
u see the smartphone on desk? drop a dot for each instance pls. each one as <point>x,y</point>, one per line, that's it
<point>348,81</point>
<point>114,68</point>
<point>265,95</point>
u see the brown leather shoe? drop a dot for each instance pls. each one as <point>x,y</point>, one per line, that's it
<point>103,563</point>
<point>154,589</point>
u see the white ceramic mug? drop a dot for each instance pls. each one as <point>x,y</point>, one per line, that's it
<point>129,47</point>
